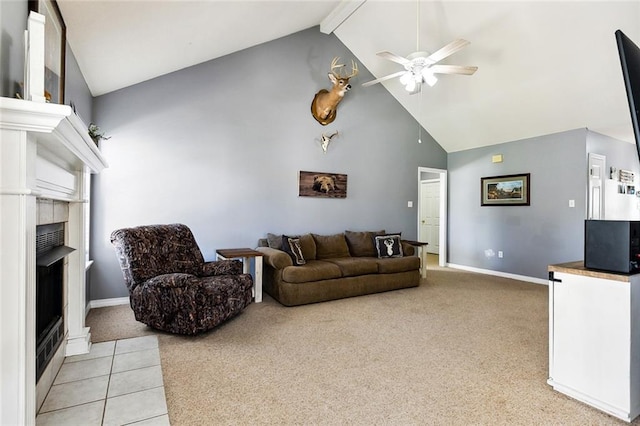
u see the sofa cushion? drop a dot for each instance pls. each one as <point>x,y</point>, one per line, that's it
<point>331,246</point>
<point>306,242</point>
<point>291,246</point>
<point>388,245</point>
<point>313,270</point>
<point>391,265</point>
<point>274,240</point>
<point>361,243</point>
<point>354,266</point>
<point>308,245</point>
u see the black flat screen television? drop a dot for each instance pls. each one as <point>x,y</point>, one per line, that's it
<point>630,61</point>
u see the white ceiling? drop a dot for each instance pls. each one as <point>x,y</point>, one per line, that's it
<point>544,67</point>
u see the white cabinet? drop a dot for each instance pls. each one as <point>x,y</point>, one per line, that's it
<point>594,347</point>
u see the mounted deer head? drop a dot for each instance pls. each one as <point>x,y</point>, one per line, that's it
<point>325,140</point>
<point>325,103</point>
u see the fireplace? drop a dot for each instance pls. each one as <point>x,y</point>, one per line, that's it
<point>46,155</point>
<point>50,254</point>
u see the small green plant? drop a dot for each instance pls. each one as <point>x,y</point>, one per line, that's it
<point>96,134</point>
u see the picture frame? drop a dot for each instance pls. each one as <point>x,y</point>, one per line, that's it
<point>506,190</point>
<point>322,184</point>
<point>55,42</point>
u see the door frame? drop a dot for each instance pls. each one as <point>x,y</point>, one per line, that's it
<point>442,253</point>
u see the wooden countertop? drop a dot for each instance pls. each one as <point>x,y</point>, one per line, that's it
<point>577,268</point>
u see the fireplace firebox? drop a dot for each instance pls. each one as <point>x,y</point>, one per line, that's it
<point>50,253</point>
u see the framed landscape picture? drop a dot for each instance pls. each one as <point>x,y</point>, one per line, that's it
<point>54,48</point>
<point>508,190</point>
<point>322,185</point>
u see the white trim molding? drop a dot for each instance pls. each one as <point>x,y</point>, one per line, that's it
<point>499,274</point>
<point>103,303</point>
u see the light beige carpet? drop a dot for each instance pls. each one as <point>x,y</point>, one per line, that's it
<point>463,348</point>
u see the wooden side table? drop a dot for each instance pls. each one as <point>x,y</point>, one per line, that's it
<point>422,254</point>
<point>246,254</point>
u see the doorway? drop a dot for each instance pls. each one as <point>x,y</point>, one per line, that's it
<point>432,211</point>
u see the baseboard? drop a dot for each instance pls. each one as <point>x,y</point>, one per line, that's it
<point>499,274</point>
<point>101,303</point>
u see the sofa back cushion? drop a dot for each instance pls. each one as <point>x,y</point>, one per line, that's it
<point>331,246</point>
<point>307,244</point>
<point>309,249</point>
<point>361,243</point>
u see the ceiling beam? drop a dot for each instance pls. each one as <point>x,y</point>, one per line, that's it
<point>339,15</point>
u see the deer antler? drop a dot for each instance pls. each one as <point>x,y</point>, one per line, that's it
<point>354,69</point>
<point>336,65</point>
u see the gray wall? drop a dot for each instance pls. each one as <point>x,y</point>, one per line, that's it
<point>76,91</point>
<point>218,146</point>
<point>531,237</point>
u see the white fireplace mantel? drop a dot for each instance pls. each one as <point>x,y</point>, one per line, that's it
<point>45,151</point>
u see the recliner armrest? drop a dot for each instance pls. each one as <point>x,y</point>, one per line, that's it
<point>275,258</point>
<point>221,267</point>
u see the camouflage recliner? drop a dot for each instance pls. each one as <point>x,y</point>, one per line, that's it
<point>171,287</point>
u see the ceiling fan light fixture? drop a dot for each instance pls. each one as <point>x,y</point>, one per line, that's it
<point>428,77</point>
<point>410,86</point>
<point>405,78</point>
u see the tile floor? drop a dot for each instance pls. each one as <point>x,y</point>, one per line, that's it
<point>116,383</point>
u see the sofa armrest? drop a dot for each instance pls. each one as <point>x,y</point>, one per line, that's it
<point>275,258</point>
<point>221,267</point>
<point>408,249</point>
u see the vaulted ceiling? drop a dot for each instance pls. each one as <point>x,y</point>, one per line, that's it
<point>544,66</point>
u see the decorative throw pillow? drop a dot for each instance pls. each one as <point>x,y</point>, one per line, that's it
<point>274,241</point>
<point>388,245</point>
<point>292,246</point>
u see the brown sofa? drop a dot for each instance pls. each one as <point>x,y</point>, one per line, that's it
<point>329,267</point>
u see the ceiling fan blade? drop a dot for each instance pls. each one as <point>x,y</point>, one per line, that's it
<point>448,50</point>
<point>452,69</point>
<point>393,57</point>
<point>381,79</point>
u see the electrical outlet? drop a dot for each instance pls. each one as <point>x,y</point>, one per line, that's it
<point>500,254</point>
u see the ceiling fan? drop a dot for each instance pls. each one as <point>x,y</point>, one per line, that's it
<point>421,67</point>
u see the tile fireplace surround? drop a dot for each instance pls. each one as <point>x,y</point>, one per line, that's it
<point>45,153</point>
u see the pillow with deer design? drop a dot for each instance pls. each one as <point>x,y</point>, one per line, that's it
<point>388,245</point>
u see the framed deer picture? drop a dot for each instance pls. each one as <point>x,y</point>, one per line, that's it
<point>322,185</point>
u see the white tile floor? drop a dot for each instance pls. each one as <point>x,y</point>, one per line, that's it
<point>116,383</point>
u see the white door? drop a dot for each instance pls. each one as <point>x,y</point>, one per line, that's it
<point>596,185</point>
<point>430,214</point>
